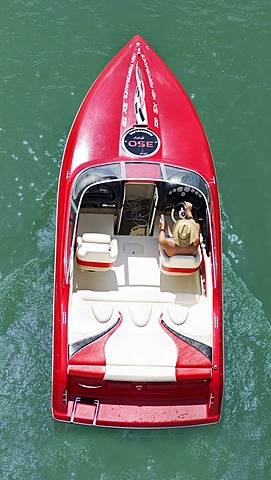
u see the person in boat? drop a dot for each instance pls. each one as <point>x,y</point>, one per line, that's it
<point>184,239</point>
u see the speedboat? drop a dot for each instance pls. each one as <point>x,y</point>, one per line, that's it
<point>137,335</point>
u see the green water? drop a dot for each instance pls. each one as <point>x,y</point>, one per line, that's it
<point>51,52</point>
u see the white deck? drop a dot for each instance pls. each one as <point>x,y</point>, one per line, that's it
<point>136,290</point>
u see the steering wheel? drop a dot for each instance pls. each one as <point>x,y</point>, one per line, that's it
<point>179,207</point>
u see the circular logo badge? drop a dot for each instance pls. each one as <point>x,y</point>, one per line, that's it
<point>140,142</point>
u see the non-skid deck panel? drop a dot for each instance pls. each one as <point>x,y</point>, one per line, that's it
<point>137,265</point>
<point>136,415</point>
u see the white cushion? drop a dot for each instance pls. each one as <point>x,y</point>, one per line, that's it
<point>96,238</point>
<point>96,251</point>
<point>140,314</point>
<point>179,264</point>
<point>135,295</point>
<point>177,313</point>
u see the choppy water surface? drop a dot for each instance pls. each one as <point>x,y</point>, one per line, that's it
<point>51,53</point>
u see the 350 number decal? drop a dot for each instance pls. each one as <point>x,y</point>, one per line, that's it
<point>140,142</point>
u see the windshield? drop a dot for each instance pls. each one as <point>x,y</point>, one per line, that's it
<point>155,172</point>
<point>92,175</point>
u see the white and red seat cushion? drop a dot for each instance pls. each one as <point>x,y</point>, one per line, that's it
<point>179,264</point>
<point>96,251</point>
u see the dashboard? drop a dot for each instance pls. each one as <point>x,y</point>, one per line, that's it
<point>111,194</point>
<point>171,194</point>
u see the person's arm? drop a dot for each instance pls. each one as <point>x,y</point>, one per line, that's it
<point>188,210</point>
<point>162,224</point>
<point>162,232</point>
<point>189,215</point>
<point>197,239</point>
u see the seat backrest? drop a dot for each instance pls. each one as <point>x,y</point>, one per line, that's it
<point>96,251</point>
<point>179,264</point>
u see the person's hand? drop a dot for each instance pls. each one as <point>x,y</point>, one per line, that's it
<point>188,207</point>
<point>161,224</point>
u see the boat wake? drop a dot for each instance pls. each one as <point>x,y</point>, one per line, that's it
<point>233,242</point>
<point>25,346</point>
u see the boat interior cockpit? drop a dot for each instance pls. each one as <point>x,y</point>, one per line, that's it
<point>116,264</point>
<point>122,203</point>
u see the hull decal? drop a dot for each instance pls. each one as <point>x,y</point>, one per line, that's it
<point>76,346</point>
<point>141,142</point>
<point>201,347</point>
<point>140,104</point>
<point>140,126</point>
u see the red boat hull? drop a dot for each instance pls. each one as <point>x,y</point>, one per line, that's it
<point>136,110</point>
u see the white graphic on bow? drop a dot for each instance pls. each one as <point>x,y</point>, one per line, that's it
<point>139,102</point>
